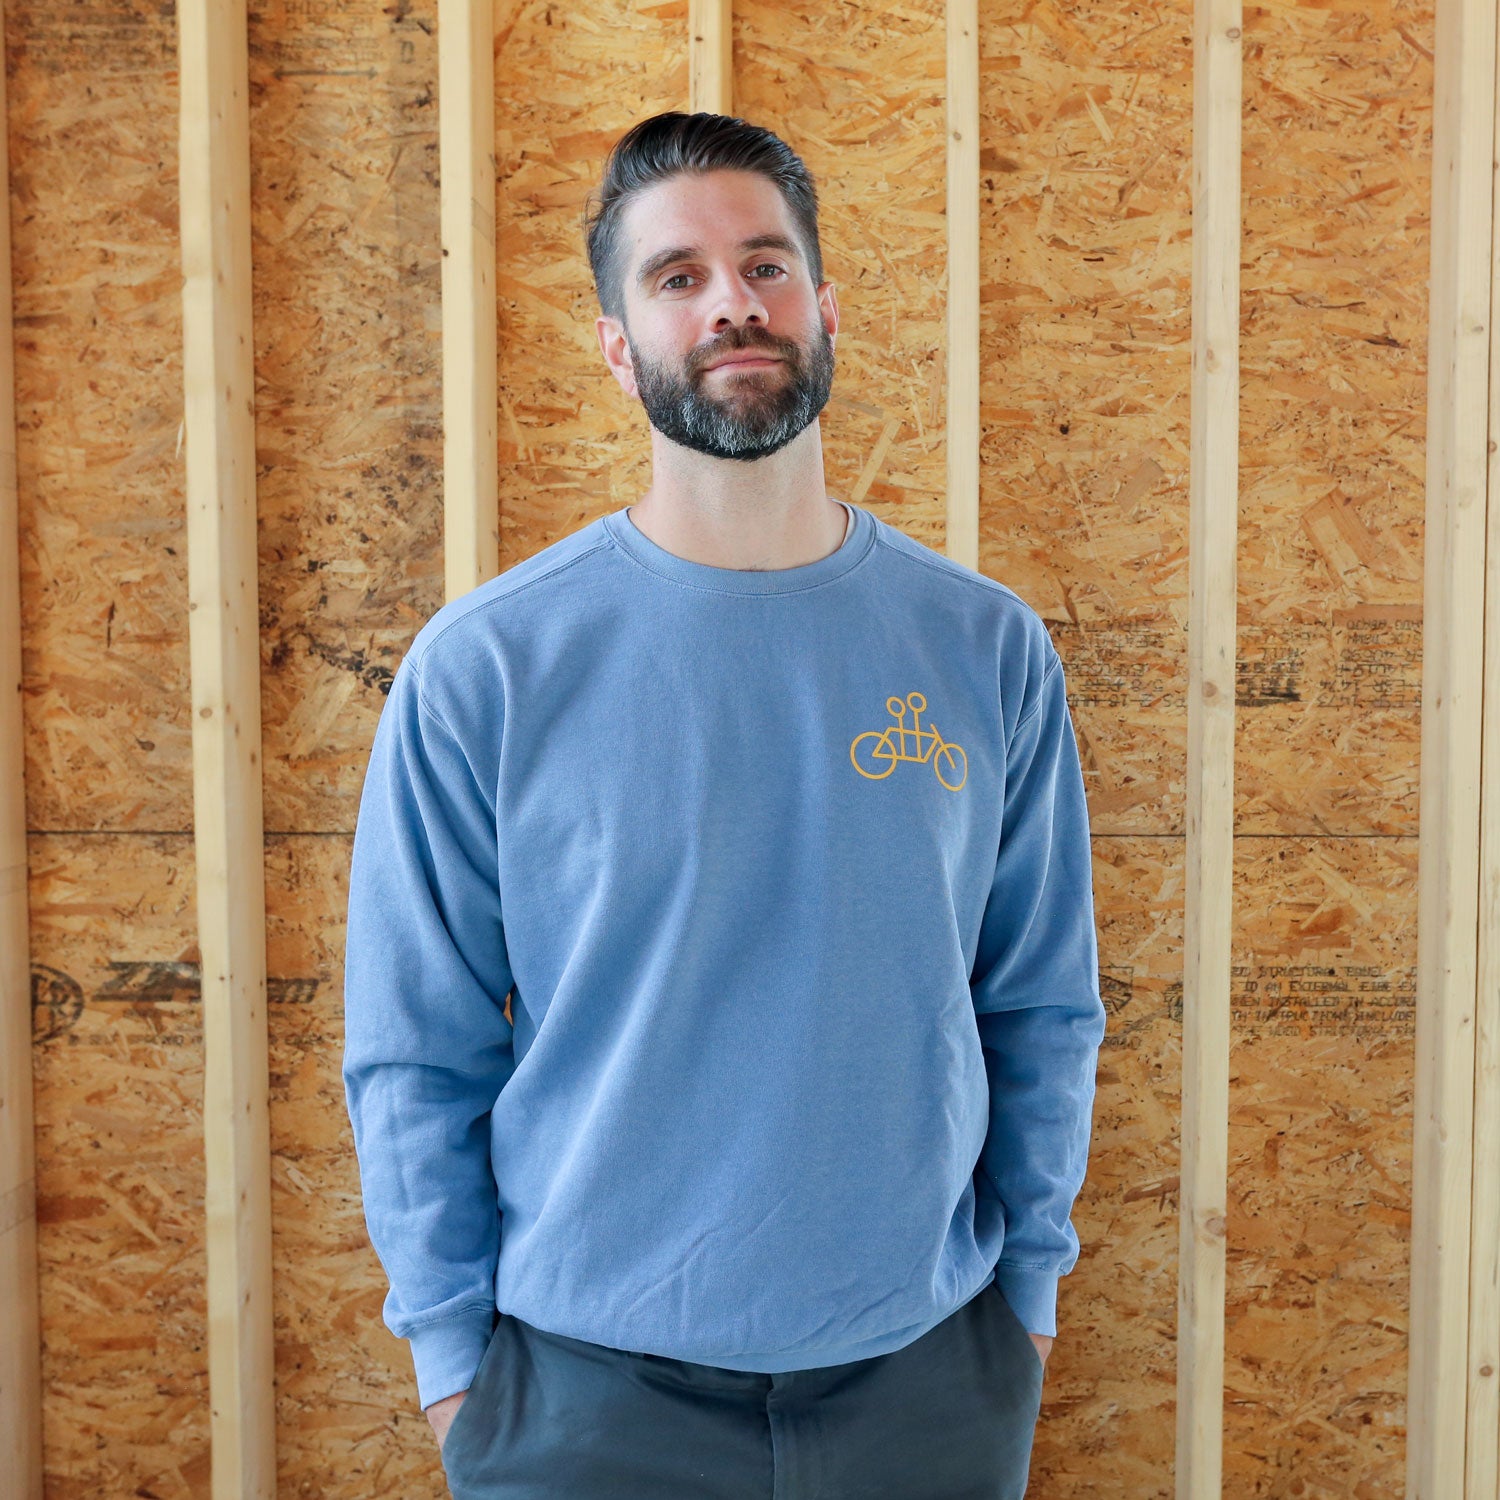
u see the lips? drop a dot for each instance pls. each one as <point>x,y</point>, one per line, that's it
<point>745,359</point>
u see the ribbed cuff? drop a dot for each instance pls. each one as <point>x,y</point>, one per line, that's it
<point>1032,1296</point>
<point>447,1353</point>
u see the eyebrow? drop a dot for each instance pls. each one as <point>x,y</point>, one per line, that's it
<point>664,258</point>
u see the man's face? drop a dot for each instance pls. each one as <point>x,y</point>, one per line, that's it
<point>685,312</point>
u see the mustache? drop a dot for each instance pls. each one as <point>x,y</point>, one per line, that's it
<point>722,350</point>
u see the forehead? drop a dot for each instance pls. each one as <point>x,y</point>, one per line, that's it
<point>703,211</point>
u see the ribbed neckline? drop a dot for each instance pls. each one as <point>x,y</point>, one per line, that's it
<point>632,540</point>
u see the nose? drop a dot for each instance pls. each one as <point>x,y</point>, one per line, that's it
<point>738,302</point>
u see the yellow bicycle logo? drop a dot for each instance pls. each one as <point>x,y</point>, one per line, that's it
<point>886,751</point>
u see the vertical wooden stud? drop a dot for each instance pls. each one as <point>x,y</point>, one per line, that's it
<point>962,543</point>
<point>1212,506</point>
<point>1482,1448</point>
<point>710,56</point>
<point>223,629</point>
<point>20,1315</point>
<point>1458,430</point>
<point>466,144</point>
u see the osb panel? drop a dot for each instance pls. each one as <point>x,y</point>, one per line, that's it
<point>1328,721</point>
<point>347,306</point>
<point>1086,261</point>
<point>1108,1401</point>
<point>96,295</point>
<point>1127,691</point>
<point>1333,359</point>
<point>1319,1208</point>
<point>345,216</point>
<point>347,1419</point>
<point>859,93</point>
<point>569,81</point>
<point>1085,195</point>
<point>118,1069</point>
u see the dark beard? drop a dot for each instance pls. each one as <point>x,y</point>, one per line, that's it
<point>765,411</point>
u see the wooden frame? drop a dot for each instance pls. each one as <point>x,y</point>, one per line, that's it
<point>1482,1447</point>
<point>20,1311</point>
<point>224,638</point>
<point>710,56</point>
<point>466,145</point>
<point>963,434</point>
<point>1208,880</point>
<point>1443,1383</point>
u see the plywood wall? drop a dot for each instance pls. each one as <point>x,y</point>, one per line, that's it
<point>117,1059</point>
<point>1086,249</point>
<point>347,270</point>
<point>1334,363</point>
<point>1085,219</point>
<point>1086,240</point>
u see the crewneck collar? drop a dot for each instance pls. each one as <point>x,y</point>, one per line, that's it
<point>856,544</point>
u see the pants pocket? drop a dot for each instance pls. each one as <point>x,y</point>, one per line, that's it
<point>1010,1316</point>
<point>470,1409</point>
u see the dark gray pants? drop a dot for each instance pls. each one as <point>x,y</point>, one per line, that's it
<point>949,1417</point>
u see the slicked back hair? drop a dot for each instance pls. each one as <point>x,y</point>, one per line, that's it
<point>669,144</point>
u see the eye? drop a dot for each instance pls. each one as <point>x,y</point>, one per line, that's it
<point>765,265</point>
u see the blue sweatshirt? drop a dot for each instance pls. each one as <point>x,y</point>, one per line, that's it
<point>786,874</point>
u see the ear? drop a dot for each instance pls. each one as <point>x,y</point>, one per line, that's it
<point>616,350</point>
<point>828,304</point>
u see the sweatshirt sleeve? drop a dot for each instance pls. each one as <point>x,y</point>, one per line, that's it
<point>427,1046</point>
<point>1036,995</point>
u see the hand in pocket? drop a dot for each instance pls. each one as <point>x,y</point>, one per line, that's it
<point>441,1415</point>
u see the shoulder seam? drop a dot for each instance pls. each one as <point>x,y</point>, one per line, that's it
<point>1036,707</point>
<point>977,580</point>
<point>426,707</point>
<point>510,593</point>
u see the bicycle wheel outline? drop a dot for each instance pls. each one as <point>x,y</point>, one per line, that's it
<point>872,734</point>
<point>948,749</point>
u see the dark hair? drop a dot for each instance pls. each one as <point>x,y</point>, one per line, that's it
<point>665,145</point>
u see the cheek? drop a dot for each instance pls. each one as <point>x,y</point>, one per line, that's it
<point>672,340</point>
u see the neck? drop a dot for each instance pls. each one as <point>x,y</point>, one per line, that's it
<point>772,513</point>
